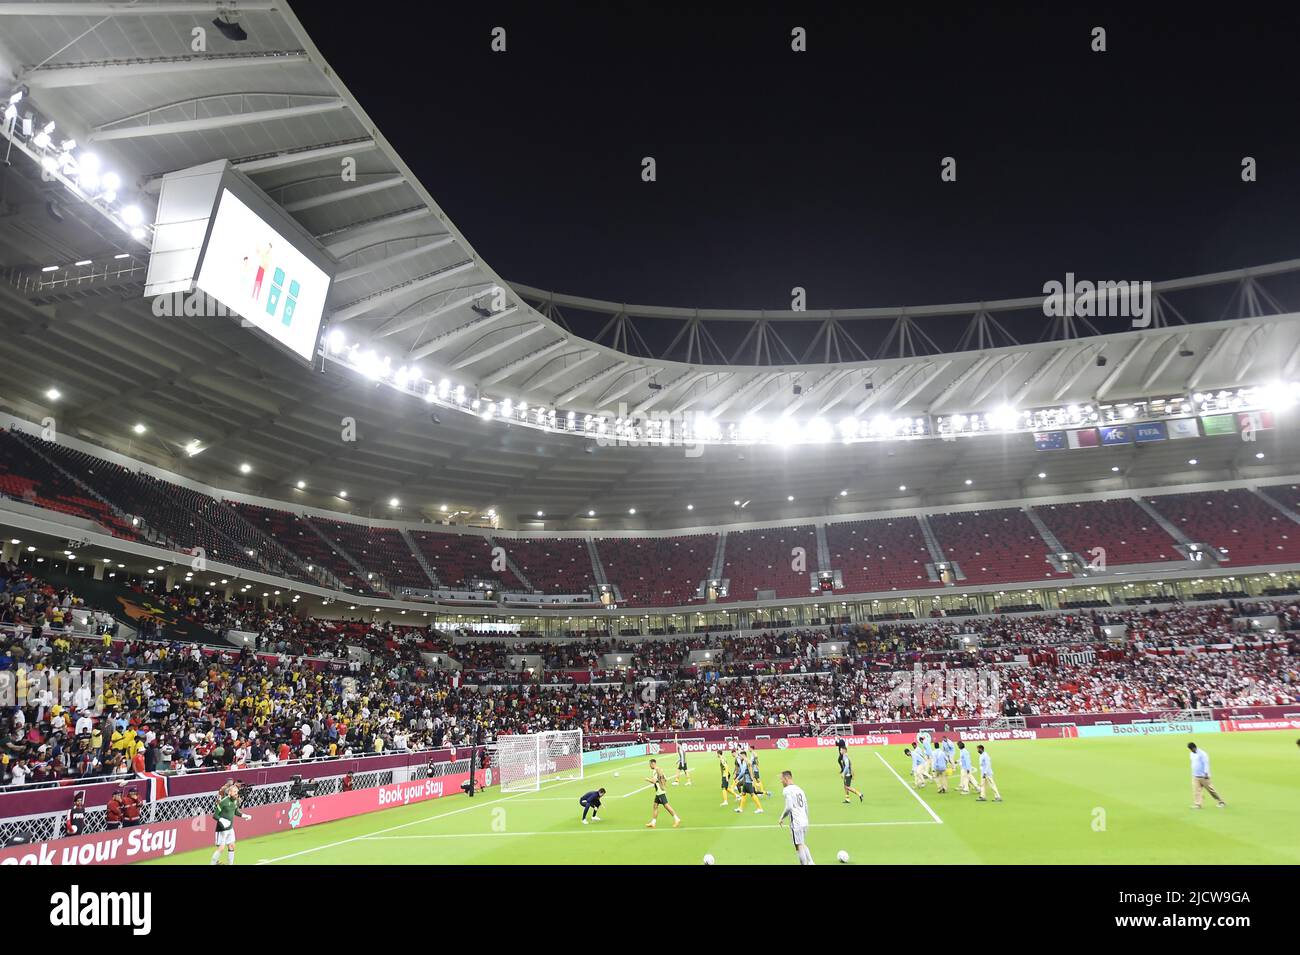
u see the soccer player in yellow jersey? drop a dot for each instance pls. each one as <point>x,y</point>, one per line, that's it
<point>726,776</point>
<point>745,783</point>
<point>659,781</point>
<point>753,768</point>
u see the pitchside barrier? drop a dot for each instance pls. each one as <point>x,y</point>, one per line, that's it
<point>40,813</point>
<point>196,830</point>
<point>185,823</point>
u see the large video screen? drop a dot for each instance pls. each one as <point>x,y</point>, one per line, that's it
<point>251,269</point>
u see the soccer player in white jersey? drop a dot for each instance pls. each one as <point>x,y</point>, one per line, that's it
<point>796,810</point>
<point>682,769</point>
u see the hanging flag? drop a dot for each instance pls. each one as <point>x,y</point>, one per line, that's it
<point>157,784</point>
<point>1120,434</point>
<point>1219,424</point>
<point>1250,421</point>
<point>1151,431</point>
<point>1085,438</point>
<point>1049,440</point>
<point>1182,428</point>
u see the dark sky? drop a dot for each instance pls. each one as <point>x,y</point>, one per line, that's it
<point>821,169</point>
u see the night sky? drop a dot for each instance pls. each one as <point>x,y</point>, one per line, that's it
<point>821,169</point>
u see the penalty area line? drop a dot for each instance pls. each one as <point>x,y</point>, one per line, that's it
<point>903,782</point>
<point>415,822</point>
<point>684,828</point>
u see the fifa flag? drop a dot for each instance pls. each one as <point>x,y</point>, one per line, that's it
<point>1049,440</point>
<point>1251,421</point>
<point>1154,431</point>
<point>1182,428</point>
<point>1120,434</point>
<point>1219,424</point>
<point>1084,438</point>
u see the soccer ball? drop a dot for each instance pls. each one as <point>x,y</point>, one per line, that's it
<point>616,775</point>
<point>708,859</point>
<point>842,856</point>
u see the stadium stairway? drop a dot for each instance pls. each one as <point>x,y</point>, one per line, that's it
<point>719,557</point>
<point>1276,504</point>
<point>514,568</point>
<point>823,549</point>
<point>1167,525</point>
<point>128,520</point>
<point>1052,541</point>
<point>363,575</point>
<point>931,542</point>
<point>597,568</point>
<point>269,545</point>
<point>419,559</point>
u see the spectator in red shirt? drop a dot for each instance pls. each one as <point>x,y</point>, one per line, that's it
<point>113,814</point>
<point>133,807</point>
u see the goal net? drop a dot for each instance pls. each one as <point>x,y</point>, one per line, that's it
<point>526,761</point>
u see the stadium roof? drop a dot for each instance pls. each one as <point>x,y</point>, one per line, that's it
<point>125,80</point>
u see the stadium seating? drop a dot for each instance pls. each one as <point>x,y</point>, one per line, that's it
<point>1288,495</point>
<point>1243,528</point>
<point>459,558</point>
<point>185,517</point>
<point>990,547</point>
<point>293,533</point>
<point>887,554</point>
<point>380,551</point>
<point>26,478</point>
<point>1124,530</point>
<point>553,565</point>
<point>657,571</point>
<point>761,560</point>
<point>997,546</point>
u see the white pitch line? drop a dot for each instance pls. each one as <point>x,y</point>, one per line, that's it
<point>634,792</point>
<point>416,822</point>
<point>924,804</point>
<point>573,832</point>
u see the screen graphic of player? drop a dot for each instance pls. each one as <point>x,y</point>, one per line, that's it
<point>660,782</point>
<point>263,263</point>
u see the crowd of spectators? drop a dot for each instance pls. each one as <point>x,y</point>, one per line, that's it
<point>300,690</point>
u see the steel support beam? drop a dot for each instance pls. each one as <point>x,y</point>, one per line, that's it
<point>108,133</point>
<point>342,195</point>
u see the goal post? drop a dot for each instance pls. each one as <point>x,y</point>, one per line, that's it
<point>526,760</point>
<point>561,755</point>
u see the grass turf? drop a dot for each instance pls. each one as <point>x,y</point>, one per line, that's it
<point>1077,801</point>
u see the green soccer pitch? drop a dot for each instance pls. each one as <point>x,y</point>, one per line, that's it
<point>1076,801</point>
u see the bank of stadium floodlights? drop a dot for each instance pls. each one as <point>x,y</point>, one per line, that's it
<point>699,427</point>
<point>78,169</point>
